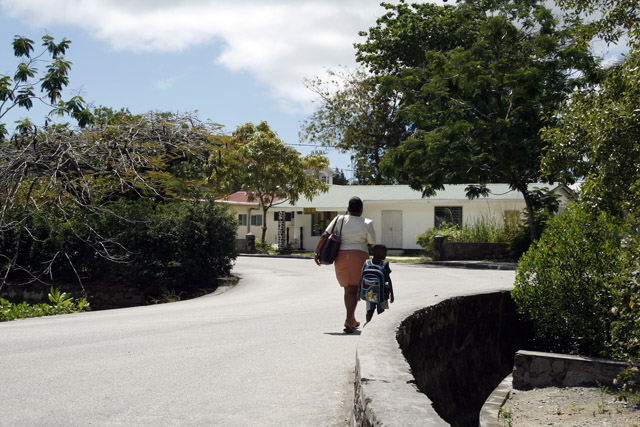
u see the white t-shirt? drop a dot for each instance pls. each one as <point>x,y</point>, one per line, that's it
<point>357,232</point>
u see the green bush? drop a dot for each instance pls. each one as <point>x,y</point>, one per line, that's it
<point>625,328</point>
<point>264,247</point>
<point>61,303</point>
<point>179,245</point>
<point>448,231</point>
<point>484,230</point>
<point>568,283</point>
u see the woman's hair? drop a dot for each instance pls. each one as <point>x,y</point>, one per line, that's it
<point>355,204</point>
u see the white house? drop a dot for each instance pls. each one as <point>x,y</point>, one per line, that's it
<point>399,213</point>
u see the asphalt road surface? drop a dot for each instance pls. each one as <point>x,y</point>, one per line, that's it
<point>268,352</point>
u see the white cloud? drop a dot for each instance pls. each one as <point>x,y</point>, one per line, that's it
<point>279,42</point>
<point>166,83</point>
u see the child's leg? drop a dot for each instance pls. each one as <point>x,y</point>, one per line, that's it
<point>370,315</point>
<point>382,306</point>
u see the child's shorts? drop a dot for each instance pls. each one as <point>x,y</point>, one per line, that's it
<point>378,305</point>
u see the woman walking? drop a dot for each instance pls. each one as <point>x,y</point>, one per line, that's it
<point>357,236</point>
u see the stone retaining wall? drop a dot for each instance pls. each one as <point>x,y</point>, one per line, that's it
<point>99,296</point>
<point>457,351</point>
<point>534,369</point>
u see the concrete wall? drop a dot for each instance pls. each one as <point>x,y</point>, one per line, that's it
<point>99,296</point>
<point>455,352</point>
<point>536,369</point>
<point>467,251</point>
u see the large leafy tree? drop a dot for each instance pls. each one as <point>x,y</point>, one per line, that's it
<point>478,81</point>
<point>359,116</point>
<point>270,171</point>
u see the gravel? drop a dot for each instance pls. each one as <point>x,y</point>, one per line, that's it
<point>574,406</point>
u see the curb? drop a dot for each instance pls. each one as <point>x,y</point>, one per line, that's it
<point>490,412</point>
<point>275,256</point>
<point>471,265</point>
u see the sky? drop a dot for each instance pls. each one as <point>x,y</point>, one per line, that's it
<point>232,62</point>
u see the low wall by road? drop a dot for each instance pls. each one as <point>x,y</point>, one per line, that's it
<point>534,369</point>
<point>467,251</point>
<point>100,296</point>
<point>452,353</point>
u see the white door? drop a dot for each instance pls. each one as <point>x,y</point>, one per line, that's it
<point>392,229</point>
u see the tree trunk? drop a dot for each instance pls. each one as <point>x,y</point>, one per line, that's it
<point>533,224</point>
<point>264,224</point>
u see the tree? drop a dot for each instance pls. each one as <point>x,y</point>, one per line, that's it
<point>611,19</point>
<point>597,137</point>
<point>270,171</point>
<point>478,81</point>
<point>340,179</point>
<point>61,178</point>
<point>359,116</point>
<point>19,91</point>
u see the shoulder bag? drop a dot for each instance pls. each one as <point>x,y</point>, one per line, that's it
<point>331,246</point>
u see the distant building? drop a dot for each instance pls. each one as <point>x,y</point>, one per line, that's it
<point>399,213</point>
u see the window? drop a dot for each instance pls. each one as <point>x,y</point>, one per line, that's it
<point>242,219</point>
<point>288,216</point>
<point>320,221</point>
<point>256,220</point>
<point>448,214</point>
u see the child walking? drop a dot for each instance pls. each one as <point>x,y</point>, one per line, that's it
<point>379,252</point>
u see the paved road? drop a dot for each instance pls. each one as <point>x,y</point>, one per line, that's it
<point>269,352</point>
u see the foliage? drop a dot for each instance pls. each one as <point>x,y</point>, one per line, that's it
<point>340,179</point>
<point>270,171</point>
<point>56,181</point>
<point>20,91</point>
<point>477,82</point>
<point>609,19</point>
<point>568,285</point>
<point>167,296</point>
<point>264,247</point>
<point>545,205</point>
<point>625,328</point>
<point>448,231</point>
<point>179,245</point>
<point>289,248</point>
<point>61,303</point>
<point>484,230</point>
<point>359,116</point>
<point>598,138</point>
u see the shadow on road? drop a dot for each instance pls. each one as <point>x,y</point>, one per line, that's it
<point>354,333</point>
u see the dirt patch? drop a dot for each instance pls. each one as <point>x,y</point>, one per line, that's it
<point>574,406</point>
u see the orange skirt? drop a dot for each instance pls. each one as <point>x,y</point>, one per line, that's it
<point>348,265</point>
